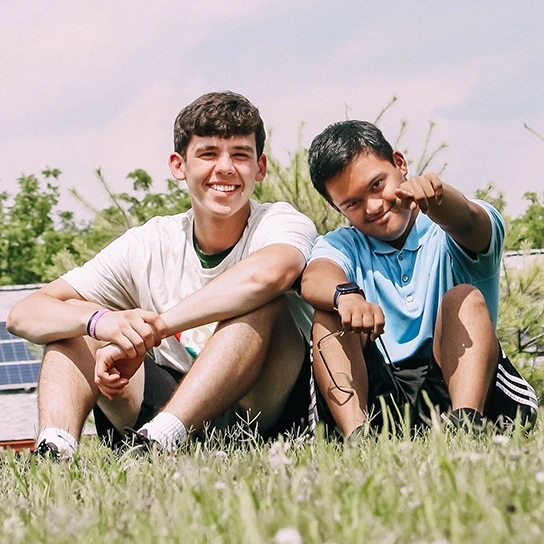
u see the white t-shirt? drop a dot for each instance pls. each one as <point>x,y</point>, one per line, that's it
<point>155,266</point>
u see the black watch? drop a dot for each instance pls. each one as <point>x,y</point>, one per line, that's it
<point>344,289</point>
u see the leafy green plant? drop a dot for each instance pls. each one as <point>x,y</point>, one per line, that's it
<point>129,210</point>
<point>33,229</point>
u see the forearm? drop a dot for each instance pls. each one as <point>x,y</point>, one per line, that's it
<point>42,319</point>
<point>340,371</point>
<point>465,221</point>
<point>248,285</point>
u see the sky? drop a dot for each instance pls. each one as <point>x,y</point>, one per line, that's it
<point>97,84</point>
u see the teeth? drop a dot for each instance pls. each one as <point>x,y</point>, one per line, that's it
<point>223,188</point>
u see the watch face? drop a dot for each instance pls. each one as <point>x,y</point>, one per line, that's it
<point>347,287</point>
<point>343,289</point>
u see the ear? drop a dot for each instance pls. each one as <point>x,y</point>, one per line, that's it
<point>261,172</point>
<point>177,166</point>
<point>400,162</point>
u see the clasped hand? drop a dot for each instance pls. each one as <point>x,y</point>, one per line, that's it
<point>129,333</point>
<point>358,315</point>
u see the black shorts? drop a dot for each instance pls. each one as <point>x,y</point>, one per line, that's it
<point>161,382</point>
<point>403,388</point>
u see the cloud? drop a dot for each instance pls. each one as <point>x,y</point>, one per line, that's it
<point>505,87</point>
<point>76,65</point>
<point>98,83</point>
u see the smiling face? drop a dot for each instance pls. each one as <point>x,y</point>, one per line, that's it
<point>220,174</point>
<point>364,192</point>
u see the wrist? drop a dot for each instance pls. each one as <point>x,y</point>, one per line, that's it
<point>345,289</point>
<point>92,322</point>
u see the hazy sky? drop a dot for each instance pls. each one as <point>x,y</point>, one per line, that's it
<point>98,83</point>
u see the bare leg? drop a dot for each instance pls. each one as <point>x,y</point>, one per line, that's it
<point>344,357</point>
<point>67,393</point>
<point>465,346</point>
<point>252,361</point>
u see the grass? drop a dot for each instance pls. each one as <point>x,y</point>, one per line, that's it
<point>437,488</point>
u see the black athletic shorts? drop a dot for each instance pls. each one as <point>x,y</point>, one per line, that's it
<point>161,382</point>
<point>401,387</point>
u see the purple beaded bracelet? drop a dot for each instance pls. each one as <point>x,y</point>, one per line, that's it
<point>93,320</point>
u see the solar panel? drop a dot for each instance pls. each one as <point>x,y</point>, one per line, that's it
<point>17,351</point>
<point>19,375</point>
<point>4,334</point>
<point>19,361</point>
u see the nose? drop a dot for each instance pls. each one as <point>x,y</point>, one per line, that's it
<point>374,206</point>
<point>224,164</point>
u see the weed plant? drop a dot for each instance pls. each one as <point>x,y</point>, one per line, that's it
<point>435,488</point>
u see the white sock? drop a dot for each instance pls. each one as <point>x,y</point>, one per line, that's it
<point>167,430</point>
<point>65,442</point>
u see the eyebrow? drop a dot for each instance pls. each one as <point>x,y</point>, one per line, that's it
<point>210,147</point>
<point>248,148</point>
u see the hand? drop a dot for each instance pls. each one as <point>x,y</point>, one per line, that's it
<point>421,191</point>
<point>133,331</point>
<point>113,370</point>
<point>358,315</point>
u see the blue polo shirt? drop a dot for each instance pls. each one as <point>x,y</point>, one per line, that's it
<point>408,284</point>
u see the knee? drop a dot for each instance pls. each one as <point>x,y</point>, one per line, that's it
<point>464,297</point>
<point>77,348</point>
<point>61,346</point>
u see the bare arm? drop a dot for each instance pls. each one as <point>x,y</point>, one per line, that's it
<point>57,311</point>
<point>246,286</point>
<point>319,283</point>
<point>356,314</point>
<point>48,315</point>
<point>465,221</point>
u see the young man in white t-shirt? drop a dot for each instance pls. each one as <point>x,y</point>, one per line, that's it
<point>206,289</point>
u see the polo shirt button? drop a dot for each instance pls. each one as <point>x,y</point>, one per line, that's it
<point>409,298</point>
<point>404,279</point>
<point>401,256</point>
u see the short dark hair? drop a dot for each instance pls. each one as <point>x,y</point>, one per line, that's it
<point>224,114</point>
<point>332,151</point>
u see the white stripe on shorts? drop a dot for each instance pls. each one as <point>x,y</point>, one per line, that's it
<point>510,380</point>
<point>504,383</point>
<point>313,416</point>
<point>519,400</point>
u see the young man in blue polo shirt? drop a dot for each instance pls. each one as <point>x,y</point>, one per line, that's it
<point>406,298</point>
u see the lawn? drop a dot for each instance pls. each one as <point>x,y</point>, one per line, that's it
<point>437,488</point>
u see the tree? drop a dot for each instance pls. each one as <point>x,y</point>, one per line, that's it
<point>528,230</point>
<point>33,230</point>
<point>39,242</point>
<point>129,210</point>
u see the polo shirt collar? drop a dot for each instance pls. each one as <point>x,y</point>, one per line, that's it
<point>413,242</point>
